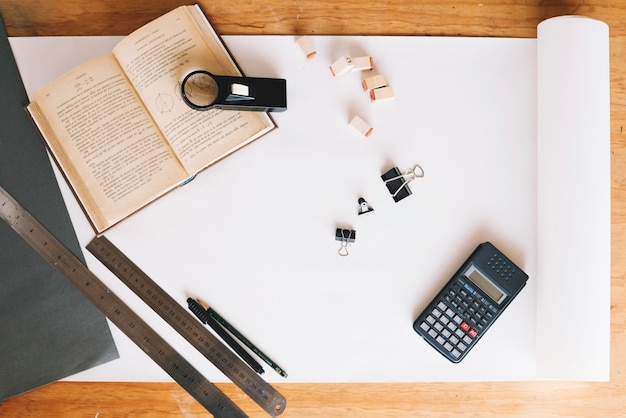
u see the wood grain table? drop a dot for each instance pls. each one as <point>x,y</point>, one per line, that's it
<point>497,18</point>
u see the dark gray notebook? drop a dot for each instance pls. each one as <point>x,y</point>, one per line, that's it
<point>48,331</point>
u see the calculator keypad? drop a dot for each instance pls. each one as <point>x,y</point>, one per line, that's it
<point>457,319</point>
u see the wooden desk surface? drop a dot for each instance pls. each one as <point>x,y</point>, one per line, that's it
<point>499,18</point>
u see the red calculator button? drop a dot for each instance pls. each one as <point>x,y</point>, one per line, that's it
<point>465,326</point>
<point>473,333</point>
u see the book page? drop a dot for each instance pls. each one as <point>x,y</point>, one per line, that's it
<point>574,199</point>
<point>106,143</point>
<point>157,57</point>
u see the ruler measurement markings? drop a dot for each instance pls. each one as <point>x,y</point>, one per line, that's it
<point>177,320</point>
<point>114,308</point>
<point>186,325</point>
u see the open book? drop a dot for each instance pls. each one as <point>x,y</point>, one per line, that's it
<point>118,128</point>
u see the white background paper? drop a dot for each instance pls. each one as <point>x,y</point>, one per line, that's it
<point>253,236</point>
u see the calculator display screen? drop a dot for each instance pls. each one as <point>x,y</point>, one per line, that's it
<point>484,283</point>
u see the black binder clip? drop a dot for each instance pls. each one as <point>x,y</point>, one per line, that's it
<point>364,207</point>
<point>398,183</point>
<point>346,236</point>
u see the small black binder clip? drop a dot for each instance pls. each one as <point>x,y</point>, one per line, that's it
<point>398,183</point>
<point>364,207</point>
<point>346,236</point>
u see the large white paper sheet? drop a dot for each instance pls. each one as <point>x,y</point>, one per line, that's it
<point>254,235</point>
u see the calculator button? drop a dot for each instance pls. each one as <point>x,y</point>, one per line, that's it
<point>450,312</point>
<point>456,353</point>
<point>452,326</point>
<point>440,340</point>
<point>473,333</point>
<point>465,326</point>
<point>446,333</point>
<point>438,326</point>
<point>467,340</point>
<point>436,313</point>
<point>461,346</point>
<point>430,319</point>
<point>457,319</point>
<point>454,340</point>
<point>432,333</point>
<point>444,320</point>
<point>442,306</point>
<point>459,332</point>
<point>448,346</point>
<point>424,326</point>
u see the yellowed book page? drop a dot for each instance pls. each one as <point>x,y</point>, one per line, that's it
<point>157,57</point>
<point>105,141</point>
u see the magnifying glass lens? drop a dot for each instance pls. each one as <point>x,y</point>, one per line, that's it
<point>200,89</point>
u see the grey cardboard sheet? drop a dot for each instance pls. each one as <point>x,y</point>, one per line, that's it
<point>48,331</point>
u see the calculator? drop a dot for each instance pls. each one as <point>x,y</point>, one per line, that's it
<point>470,302</point>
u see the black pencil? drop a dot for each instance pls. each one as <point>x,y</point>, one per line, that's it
<point>205,318</point>
<point>245,341</point>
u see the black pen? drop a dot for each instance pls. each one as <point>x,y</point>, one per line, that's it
<point>245,341</point>
<point>205,318</point>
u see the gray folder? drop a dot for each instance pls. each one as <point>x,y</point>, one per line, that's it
<point>48,330</point>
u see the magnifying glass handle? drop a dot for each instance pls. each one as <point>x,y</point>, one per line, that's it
<point>251,93</point>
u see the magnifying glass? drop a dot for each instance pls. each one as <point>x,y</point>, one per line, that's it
<point>202,90</point>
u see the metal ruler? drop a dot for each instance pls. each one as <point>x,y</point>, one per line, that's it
<point>121,315</point>
<point>187,326</point>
